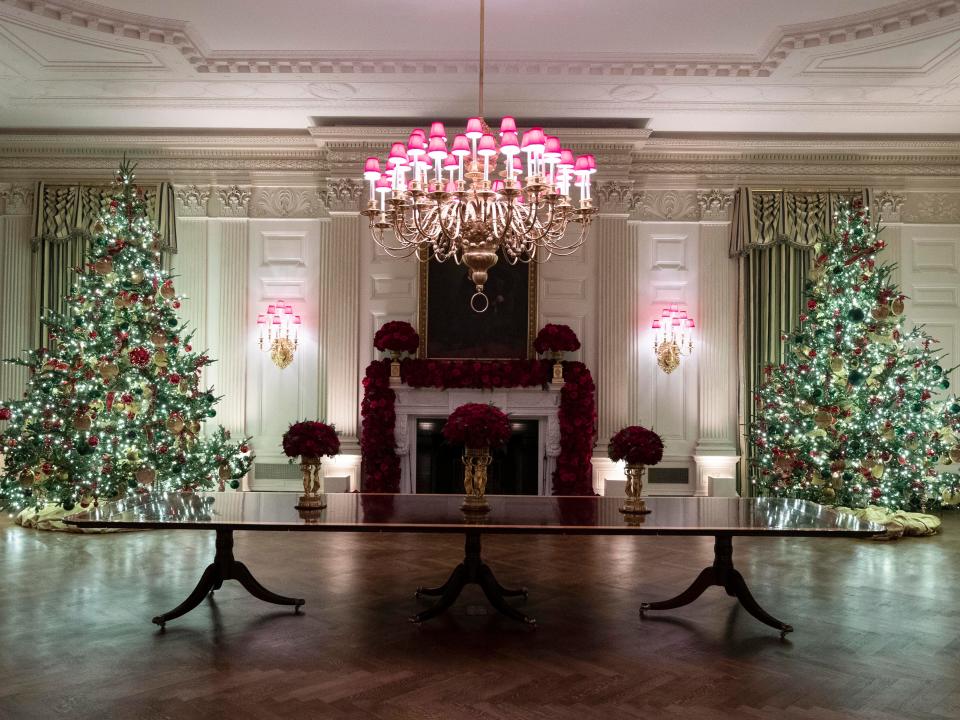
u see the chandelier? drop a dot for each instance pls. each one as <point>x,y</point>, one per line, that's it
<point>481,197</point>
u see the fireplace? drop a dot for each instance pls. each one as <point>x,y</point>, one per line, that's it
<point>512,472</point>
<point>525,467</point>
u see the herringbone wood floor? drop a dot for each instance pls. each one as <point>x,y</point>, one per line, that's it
<point>877,630</point>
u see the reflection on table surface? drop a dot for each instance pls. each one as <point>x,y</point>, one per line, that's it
<point>442,513</point>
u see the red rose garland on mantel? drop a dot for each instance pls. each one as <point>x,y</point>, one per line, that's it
<point>577,413</point>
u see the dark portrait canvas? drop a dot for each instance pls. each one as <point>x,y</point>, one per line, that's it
<point>454,330</point>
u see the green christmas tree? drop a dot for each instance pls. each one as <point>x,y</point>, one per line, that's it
<point>114,405</point>
<point>857,413</point>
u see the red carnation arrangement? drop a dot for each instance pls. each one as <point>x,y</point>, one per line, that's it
<point>477,425</point>
<point>636,445</point>
<point>556,338</point>
<point>310,439</point>
<point>397,336</point>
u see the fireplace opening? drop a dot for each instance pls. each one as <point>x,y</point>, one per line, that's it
<point>512,472</point>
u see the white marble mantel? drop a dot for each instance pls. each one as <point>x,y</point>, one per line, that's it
<point>520,403</point>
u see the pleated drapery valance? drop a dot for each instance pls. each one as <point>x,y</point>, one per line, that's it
<point>64,218</point>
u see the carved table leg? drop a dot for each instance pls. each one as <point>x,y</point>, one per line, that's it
<point>472,570</point>
<point>721,573</point>
<point>225,567</point>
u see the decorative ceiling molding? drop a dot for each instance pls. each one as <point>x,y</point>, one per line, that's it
<point>286,202</point>
<point>785,41</point>
<point>931,208</point>
<point>16,199</point>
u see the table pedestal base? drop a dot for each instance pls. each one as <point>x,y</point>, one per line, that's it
<point>721,573</point>
<point>225,567</point>
<point>472,570</point>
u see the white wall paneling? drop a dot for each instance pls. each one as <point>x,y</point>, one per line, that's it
<point>283,265</point>
<point>15,300</point>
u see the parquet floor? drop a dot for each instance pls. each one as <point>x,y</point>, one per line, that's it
<point>877,630</point>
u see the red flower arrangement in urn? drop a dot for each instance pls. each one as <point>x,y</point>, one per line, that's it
<point>396,337</point>
<point>638,447</point>
<point>310,440</point>
<point>556,339</point>
<point>479,428</point>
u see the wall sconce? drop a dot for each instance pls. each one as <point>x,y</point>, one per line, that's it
<point>673,338</point>
<point>276,327</point>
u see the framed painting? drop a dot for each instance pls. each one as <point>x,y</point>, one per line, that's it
<point>449,329</point>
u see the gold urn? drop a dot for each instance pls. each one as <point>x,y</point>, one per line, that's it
<point>475,464</point>
<point>313,497</point>
<point>634,504</point>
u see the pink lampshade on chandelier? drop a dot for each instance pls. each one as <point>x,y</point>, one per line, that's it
<point>479,197</point>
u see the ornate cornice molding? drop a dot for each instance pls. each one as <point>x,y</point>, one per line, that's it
<point>784,42</point>
<point>665,205</point>
<point>16,199</point>
<point>931,207</point>
<point>191,200</point>
<point>286,202</point>
<point>715,204</point>
<point>887,206</point>
<point>343,195</point>
<point>232,201</point>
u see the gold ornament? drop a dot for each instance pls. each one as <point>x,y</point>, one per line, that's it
<point>836,365</point>
<point>224,472</point>
<point>175,424</point>
<point>82,422</point>
<point>880,312</point>
<point>184,386</point>
<point>160,358</point>
<point>194,426</point>
<point>103,266</point>
<point>167,292</point>
<point>146,475</point>
<point>158,338</point>
<point>955,453</point>
<point>822,419</point>
<point>896,307</point>
<point>108,371</point>
<point>828,493</point>
<point>806,408</point>
<point>136,277</point>
<point>877,470</point>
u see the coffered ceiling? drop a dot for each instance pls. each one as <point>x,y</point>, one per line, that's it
<point>771,66</point>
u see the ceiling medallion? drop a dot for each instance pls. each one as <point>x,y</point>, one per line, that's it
<point>480,198</point>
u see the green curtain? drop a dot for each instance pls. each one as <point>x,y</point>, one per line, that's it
<point>772,236</point>
<point>64,218</point>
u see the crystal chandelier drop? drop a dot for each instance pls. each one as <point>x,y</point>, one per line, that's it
<point>481,197</point>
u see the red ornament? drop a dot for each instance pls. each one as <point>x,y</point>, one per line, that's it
<point>244,448</point>
<point>93,441</point>
<point>188,348</point>
<point>174,379</point>
<point>139,356</point>
<point>5,413</point>
<point>811,304</point>
<point>162,449</point>
<point>176,304</point>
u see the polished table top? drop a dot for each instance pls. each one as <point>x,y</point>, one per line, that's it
<point>508,514</point>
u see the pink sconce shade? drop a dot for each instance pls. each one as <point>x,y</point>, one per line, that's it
<point>461,146</point>
<point>288,310</point>
<point>383,185</point>
<point>497,185</point>
<point>271,309</point>
<point>566,159</point>
<point>508,143</point>
<point>296,319</point>
<point>551,149</point>
<point>474,128</point>
<point>276,319</point>
<point>655,325</point>
<point>437,131</point>
<point>371,169</point>
<point>517,164</point>
<point>438,149</point>
<point>487,146</point>
<point>690,323</point>
<point>534,140</point>
<point>508,125</point>
<point>591,163</point>
<point>261,319</point>
<point>451,186</point>
<point>398,155</point>
<point>582,166</point>
<point>451,163</point>
<point>676,322</point>
<point>416,146</point>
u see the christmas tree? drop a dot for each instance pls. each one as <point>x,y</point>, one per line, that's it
<point>857,414</point>
<point>113,404</point>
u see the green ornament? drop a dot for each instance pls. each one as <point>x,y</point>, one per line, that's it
<point>131,483</point>
<point>955,408</point>
<point>824,472</point>
<point>945,383</point>
<point>67,504</point>
<point>855,377</point>
<point>211,413</point>
<point>855,314</point>
<point>917,407</point>
<point>172,322</point>
<point>836,270</point>
<point>847,476</point>
<point>937,370</point>
<point>234,484</point>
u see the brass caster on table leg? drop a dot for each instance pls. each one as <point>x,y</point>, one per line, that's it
<point>296,608</point>
<point>784,630</point>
